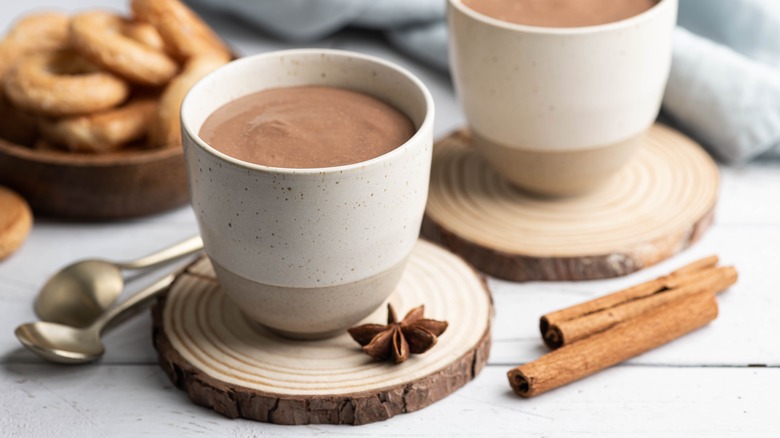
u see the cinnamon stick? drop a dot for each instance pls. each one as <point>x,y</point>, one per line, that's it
<point>580,321</point>
<point>621,342</point>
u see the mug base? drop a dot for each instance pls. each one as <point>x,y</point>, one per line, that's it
<point>309,312</point>
<point>557,173</point>
<point>303,336</point>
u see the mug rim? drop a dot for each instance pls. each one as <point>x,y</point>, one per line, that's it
<point>424,127</point>
<point>564,31</point>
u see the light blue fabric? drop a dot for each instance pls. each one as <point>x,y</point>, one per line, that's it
<point>724,87</point>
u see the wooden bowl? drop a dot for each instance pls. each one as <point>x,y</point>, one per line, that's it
<point>95,187</point>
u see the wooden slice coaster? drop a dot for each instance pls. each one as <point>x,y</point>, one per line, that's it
<point>659,204</point>
<point>228,363</point>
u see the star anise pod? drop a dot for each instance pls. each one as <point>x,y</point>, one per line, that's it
<point>397,340</point>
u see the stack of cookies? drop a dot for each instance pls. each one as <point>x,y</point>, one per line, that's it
<point>98,82</point>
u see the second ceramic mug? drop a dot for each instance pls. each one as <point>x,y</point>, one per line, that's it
<point>558,111</point>
<point>309,252</point>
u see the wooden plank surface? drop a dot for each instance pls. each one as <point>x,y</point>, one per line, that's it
<point>701,385</point>
<point>742,335</point>
<point>139,401</point>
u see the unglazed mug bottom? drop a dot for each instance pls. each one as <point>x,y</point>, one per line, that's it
<point>329,310</point>
<point>558,173</point>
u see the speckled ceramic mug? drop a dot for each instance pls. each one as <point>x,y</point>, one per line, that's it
<point>309,252</point>
<point>558,111</point>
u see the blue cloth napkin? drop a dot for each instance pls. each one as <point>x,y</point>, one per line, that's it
<point>724,87</point>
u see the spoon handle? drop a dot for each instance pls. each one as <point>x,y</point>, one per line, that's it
<point>120,313</point>
<point>181,249</point>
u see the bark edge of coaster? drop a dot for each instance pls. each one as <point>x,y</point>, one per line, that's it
<point>659,204</point>
<point>351,388</point>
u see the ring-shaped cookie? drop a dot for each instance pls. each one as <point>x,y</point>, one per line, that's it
<point>145,34</point>
<point>15,221</point>
<point>165,130</point>
<point>36,32</point>
<point>184,33</point>
<point>105,131</point>
<point>62,83</point>
<point>103,39</point>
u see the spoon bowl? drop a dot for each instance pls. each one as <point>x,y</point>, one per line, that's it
<point>78,294</point>
<point>65,344</point>
<point>60,343</point>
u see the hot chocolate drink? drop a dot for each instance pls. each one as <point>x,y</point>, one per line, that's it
<point>306,127</point>
<point>560,13</point>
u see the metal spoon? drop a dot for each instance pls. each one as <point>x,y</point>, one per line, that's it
<point>66,344</point>
<point>80,292</point>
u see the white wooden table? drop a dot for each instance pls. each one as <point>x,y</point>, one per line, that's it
<point>723,380</point>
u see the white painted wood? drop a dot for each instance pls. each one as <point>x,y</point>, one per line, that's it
<point>744,333</point>
<point>742,194</point>
<point>130,401</point>
<point>678,390</point>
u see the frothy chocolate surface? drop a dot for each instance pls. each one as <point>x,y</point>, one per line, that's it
<point>306,127</point>
<point>560,13</point>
